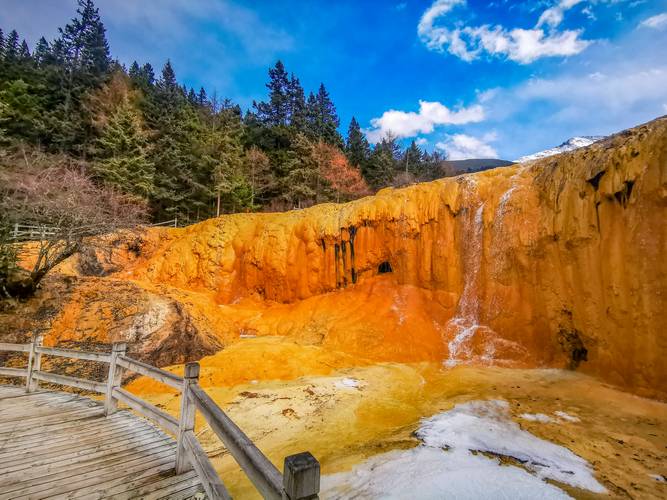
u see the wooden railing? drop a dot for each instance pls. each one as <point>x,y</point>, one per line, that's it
<point>299,480</point>
<point>28,232</point>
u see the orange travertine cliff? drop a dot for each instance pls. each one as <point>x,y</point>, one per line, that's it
<point>558,262</point>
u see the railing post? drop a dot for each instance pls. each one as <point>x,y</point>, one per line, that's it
<point>115,377</point>
<point>16,231</point>
<point>301,477</point>
<point>186,420</point>
<point>34,363</point>
<point>176,221</point>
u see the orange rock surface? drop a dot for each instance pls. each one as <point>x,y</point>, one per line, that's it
<point>558,262</point>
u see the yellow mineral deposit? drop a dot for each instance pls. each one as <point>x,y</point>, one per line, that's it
<point>338,327</point>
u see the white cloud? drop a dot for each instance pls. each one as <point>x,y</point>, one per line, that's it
<point>422,141</point>
<point>403,124</point>
<point>656,22</point>
<point>521,45</point>
<point>609,91</point>
<point>463,147</point>
<point>400,6</point>
<point>553,16</point>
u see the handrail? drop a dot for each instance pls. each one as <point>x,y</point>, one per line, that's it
<point>148,410</point>
<point>259,469</point>
<point>72,353</point>
<point>299,480</point>
<point>14,347</point>
<point>153,372</point>
<point>79,383</point>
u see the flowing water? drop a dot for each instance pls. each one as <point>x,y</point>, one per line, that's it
<point>463,327</point>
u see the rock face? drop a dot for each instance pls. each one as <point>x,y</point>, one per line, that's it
<point>558,262</point>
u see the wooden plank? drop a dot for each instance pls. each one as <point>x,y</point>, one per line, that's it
<point>210,480</point>
<point>259,469</point>
<point>49,454</point>
<point>62,460</point>
<point>153,372</point>
<point>163,468</point>
<point>65,462</point>
<point>7,371</point>
<point>143,486</point>
<point>147,410</point>
<point>77,478</point>
<point>42,410</point>
<point>79,383</point>
<point>75,354</point>
<point>72,427</point>
<point>10,391</point>
<point>180,495</point>
<point>5,346</point>
<point>76,414</point>
<point>93,435</point>
<point>58,444</point>
<point>116,465</point>
<point>22,393</point>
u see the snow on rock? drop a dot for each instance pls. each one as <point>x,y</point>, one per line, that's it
<point>567,416</point>
<point>536,417</point>
<point>569,145</point>
<point>427,473</point>
<point>447,463</point>
<point>347,383</point>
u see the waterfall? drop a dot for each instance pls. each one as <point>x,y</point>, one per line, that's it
<point>465,323</point>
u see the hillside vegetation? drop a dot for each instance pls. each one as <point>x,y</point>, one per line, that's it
<point>185,153</point>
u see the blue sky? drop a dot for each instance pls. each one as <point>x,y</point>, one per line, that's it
<point>474,79</point>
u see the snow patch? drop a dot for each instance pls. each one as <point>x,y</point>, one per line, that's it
<point>347,383</point>
<point>567,416</point>
<point>487,426</point>
<point>536,417</point>
<point>447,463</point>
<point>428,473</point>
<point>569,145</point>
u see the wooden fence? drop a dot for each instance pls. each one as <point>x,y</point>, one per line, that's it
<point>30,232</point>
<point>300,478</point>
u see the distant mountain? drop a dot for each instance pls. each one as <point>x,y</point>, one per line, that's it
<point>569,145</point>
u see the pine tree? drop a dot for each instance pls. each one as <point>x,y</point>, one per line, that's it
<point>301,184</point>
<point>357,148</point>
<point>276,111</point>
<point>2,44</point>
<point>202,98</point>
<point>135,72</point>
<point>12,47</point>
<point>42,52</point>
<point>22,112</point>
<point>381,167</point>
<point>192,97</point>
<point>95,56</point>
<point>85,44</point>
<point>412,159</point>
<point>122,158</point>
<point>148,74</point>
<point>24,52</point>
<point>167,82</point>
<point>323,119</point>
<point>297,105</point>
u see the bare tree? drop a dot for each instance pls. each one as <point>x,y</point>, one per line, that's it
<point>71,205</point>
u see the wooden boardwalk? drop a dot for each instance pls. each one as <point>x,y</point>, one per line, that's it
<point>61,445</point>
